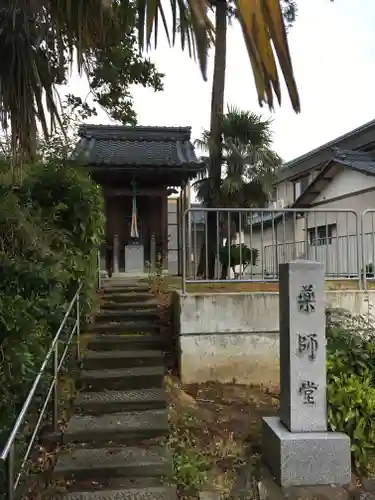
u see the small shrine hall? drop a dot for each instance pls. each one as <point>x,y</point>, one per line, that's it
<point>138,168</point>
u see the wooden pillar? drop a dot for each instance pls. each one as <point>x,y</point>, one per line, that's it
<point>179,242</point>
<point>116,254</point>
<point>164,227</point>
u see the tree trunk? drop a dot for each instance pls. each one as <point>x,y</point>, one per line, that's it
<point>217,109</point>
<point>19,156</point>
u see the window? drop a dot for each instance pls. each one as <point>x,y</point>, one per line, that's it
<point>322,235</point>
<point>300,186</point>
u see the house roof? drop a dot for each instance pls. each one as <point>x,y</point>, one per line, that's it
<point>355,160</point>
<point>120,146</point>
<point>356,139</point>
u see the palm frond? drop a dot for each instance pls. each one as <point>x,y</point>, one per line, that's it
<point>266,41</point>
<point>245,127</point>
<point>249,163</point>
<point>203,142</point>
<point>263,31</point>
<point>189,18</point>
<point>37,38</point>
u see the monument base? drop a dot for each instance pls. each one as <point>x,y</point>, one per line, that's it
<point>305,458</point>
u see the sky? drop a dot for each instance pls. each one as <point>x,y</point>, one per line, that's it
<point>333,52</point>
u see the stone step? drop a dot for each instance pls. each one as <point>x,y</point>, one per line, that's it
<point>106,483</point>
<point>114,295</point>
<point>125,288</point>
<point>145,305</point>
<point>107,316</point>
<point>122,282</point>
<point>108,342</point>
<point>136,377</point>
<point>99,360</point>
<point>84,463</point>
<point>153,493</point>
<point>100,403</point>
<point>124,327</point>
<point>125,427</point>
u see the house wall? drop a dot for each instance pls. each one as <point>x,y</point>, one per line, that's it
<point>285,189</point>
<point>345,182</point>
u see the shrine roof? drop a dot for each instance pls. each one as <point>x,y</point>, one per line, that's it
<point>121,146</point>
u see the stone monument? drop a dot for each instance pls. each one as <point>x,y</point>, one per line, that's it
<point>134,258</point>
<point>116,255</point>
<point>297,447</point>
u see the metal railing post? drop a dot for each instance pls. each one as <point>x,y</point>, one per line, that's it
<point>363,273</point>
<point>360,254</point>
<point>78,331</point>
<point>9,470</point>
<point>55,393</point>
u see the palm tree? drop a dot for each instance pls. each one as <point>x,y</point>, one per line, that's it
<point>246,173</point>
<point>39,38</point>
<point>223,9</point>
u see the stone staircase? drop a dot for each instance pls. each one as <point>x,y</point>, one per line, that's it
<point>111,447</point>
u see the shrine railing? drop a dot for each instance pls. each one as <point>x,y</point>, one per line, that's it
<point>260,240</point>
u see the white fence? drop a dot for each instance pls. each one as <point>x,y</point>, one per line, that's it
<point>261,240</point>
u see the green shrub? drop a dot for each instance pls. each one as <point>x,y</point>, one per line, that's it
<point>351,409</point>
<point>350,344</point>
<point>239,254</point>
<point>68,198</point>
<point>32,300</point>
<point>50,230</point>
<point>350,382</point>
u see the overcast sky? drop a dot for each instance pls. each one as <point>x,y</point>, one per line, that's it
<point>333,51</point>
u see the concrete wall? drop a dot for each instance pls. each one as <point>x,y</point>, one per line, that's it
<point>229,337</point>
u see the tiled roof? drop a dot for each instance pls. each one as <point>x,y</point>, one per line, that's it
<point>136,146</point>
<point>355,160</point>
<point>356,139</point>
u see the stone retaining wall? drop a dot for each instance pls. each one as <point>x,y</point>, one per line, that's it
<point>228,337</point>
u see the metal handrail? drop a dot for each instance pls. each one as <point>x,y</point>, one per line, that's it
<point>8,453</point>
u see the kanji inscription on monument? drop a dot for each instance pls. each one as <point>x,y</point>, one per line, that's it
<point>306,298</point>
<point>302,347</point>
<point>307,390</point>
<point>308,344</point>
